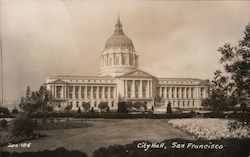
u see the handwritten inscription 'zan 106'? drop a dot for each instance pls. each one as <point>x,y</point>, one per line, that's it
<point>21,145</point>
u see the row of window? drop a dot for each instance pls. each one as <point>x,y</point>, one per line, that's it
<point>86,91</point>
<point>178,92</point>
<point>120,60</point>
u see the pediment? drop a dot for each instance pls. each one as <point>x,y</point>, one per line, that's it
<point>58,81</point>
<point>137,73</point>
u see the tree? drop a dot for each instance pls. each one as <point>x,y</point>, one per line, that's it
<point>218,100</point>
<point>86,106</point>
<point>68,108</point>
<point>122,108</point>
<point>103,106</point>
<point>4,111</point>
<point>236,62</point>
<point>169,108</point>
<point>35,100</point>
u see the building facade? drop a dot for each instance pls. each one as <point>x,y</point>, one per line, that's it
<point>121,79</point>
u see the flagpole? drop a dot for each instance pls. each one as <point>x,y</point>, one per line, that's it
<point>1,53</point>
<point>1,70</point>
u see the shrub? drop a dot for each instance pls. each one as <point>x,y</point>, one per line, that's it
<point>86,106</point>
<point>68,108</point>
<point>48,108</point>
<point>169,108</point>
<point>92,110</point>
<point>4,111</point>
<point>14,111</point>
<point>79,110</point>
<point>103,105</point>
<point>122,108</point>
<point>22,126</point>
<point>3,123</point>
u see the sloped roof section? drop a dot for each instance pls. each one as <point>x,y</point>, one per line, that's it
<point>137,73</point>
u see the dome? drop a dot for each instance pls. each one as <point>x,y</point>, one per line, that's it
<point>119,39</point>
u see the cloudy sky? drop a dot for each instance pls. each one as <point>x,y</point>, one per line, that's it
<point>66,37</point>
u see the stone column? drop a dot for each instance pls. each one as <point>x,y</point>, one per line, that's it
<point>91,92</point>
<point>147,89</point>
<point>97,92</point>
<point>160,92</point>
<point>55,91</point>
<point>140,89</point>
<point>52,91</point>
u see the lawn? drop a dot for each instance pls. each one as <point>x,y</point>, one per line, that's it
<point>103,133</point>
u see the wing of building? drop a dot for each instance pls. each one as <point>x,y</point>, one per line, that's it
<point>121,79</point>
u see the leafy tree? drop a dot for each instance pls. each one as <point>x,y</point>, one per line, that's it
<point>236,62</point>
<point>122,108</point>
<point>68,108</point>
<point>232,88</point>
<point>4,111</point>
<point>218,100</point>
<point>36,100</point>
<point>103,106</point>
<point>86,106</point>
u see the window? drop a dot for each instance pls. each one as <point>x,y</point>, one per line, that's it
<point>110,61</point>
<point>71,103</point>
<point>106,93</point>
<point>77,104</point>
<point>193,103</point>
<point>70,92</point>
<point>94,92</point>
<point>76,91</point>
<point>178,103</point>
<point>100,92</point>
<point>58,91</point>
<point>88,91</point>
<point>95,104</point>
<point>183,103</point>
<point>137,83</point>
<point>202,89</point>
<point>82,92</point>
<point>162,92</point>
<point>112,104</point>
<point>117,60</point>
<point>188,103</point>
<point>144,85</point>
<point>111,92</point>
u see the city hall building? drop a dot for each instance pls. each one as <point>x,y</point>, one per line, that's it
<point>121,79</point>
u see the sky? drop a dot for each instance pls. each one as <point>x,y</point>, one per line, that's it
<point>66,37</point>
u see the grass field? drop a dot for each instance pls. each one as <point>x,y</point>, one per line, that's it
<point>104,133</point>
